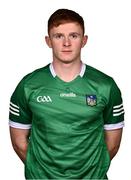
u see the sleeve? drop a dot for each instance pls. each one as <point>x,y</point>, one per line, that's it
<point>114,111</point>
<point>19,112</point>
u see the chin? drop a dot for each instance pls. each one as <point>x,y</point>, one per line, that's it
<point>67,61</point>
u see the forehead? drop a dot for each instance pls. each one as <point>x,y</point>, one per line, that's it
<point>67,28</point>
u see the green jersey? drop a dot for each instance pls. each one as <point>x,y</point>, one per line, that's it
<point>67,122</point>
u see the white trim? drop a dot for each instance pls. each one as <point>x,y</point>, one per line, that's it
<point>15,113</point>
<point>14,105</point>
<point>19,125</point>
<point>82,71</point>
<point>118,110</point>
<point>12,108</point>
<point>118,114</point>
<point>114,126</point>
<point>52,70</point>
<point>117,106</point>
<point>83,68</point>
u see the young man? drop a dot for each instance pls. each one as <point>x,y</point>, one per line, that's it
<point>66,119</point>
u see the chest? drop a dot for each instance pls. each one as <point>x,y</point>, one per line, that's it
<point>79,106</point>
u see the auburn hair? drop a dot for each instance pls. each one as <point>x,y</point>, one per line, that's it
<point>62,16</point>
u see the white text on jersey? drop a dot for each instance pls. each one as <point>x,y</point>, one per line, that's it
<point>44,99</point>
<point>68,94</point>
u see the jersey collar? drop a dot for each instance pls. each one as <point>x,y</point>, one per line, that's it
<point>81,74</point>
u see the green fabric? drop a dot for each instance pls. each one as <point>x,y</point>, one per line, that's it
<point>67,134</point>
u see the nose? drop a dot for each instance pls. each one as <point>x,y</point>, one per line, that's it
<point>67,42</point>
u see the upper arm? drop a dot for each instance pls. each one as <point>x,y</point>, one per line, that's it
<point>19,136</point>
<point>113,120</point>
<point>113,137</point>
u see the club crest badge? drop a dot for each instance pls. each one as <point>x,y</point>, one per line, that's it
<point>91,100</point>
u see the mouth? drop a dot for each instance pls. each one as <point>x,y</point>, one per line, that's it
<point>66,51</point>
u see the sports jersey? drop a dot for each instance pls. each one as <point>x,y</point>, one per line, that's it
<point>67,122</point>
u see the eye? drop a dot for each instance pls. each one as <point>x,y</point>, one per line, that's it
<point>74,36</point>
<point>58,36</point>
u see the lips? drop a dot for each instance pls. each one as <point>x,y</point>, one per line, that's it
<point>66,51</point>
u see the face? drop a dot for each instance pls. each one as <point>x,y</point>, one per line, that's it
<point>66,42</point>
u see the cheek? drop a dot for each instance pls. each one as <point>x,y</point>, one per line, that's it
<point>56,48</point>
<point>56,45</point>
<point>78,45</point>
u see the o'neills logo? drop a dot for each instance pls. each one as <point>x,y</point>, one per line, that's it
<point>68,94</point>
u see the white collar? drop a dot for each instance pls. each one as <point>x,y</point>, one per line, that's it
<point>83,68</point>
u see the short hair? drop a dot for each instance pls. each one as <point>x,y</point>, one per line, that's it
<point>62,16</point>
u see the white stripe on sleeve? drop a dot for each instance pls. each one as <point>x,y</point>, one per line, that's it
<point>118,110</point>
<point>114,126</point>
<point>19,125</point>
<point>14,109</point>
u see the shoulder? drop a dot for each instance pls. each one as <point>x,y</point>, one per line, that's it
<point>36,76</point>
<point>98,76</point>
<point>34,79</point>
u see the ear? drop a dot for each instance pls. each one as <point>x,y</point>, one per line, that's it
<point>48,41</point>
<point>85,38</point>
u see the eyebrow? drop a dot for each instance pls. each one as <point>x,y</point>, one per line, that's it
<point>75,33</point>
<point>69,33</point>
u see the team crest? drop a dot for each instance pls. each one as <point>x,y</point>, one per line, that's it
<point>91,100</point>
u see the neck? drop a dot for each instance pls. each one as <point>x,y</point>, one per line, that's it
<point>67,72</point>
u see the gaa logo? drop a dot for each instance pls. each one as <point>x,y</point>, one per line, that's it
<point>44,99</point>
